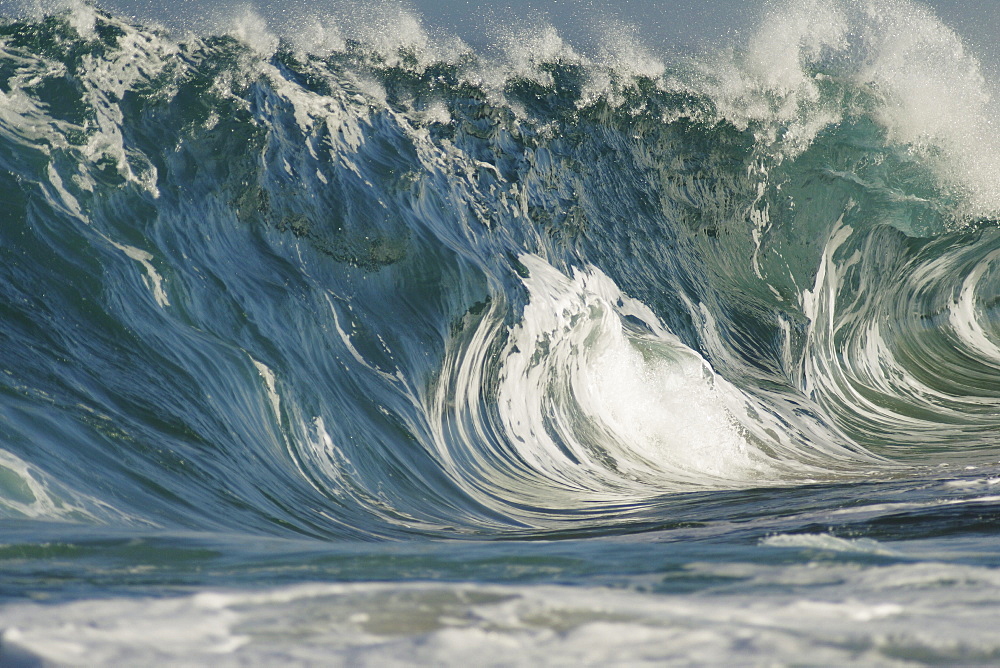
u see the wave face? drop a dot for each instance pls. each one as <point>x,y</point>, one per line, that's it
<point>381,285</point>
<point>419,350</point>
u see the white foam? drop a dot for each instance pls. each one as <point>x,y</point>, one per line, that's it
<point>767,83</point>
<point>252,29</point>
<point>269,382</point>
<point>597,399</point>
<point>935,99</point>
<point>656,403</point>
<point>834,613</point>
<point>28,492</point>
<point>152,279</point>
<point>827,542</point>
<point>528,49</point>
<point>622,50</point>
<point>104,80</point>
<point>928,91</point>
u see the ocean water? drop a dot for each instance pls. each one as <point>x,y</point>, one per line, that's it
<point>373,334</point>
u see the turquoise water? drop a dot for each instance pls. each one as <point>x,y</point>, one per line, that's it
<point>336,338</point>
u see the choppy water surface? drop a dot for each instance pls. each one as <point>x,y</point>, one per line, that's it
<point>340,340</point>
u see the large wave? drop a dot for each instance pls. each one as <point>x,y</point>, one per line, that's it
<point>359,280</point>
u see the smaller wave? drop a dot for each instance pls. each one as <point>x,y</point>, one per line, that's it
<point>902,348</point>
<point>27,492</point>
<point>828,542</point>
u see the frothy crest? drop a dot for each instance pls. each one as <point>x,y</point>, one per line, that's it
<point>808,66</point>
<point>812,65</point>
<point>252,29</point>
<point>646,407</point>
<point>936,100</point>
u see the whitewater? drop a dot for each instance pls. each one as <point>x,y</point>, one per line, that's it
<point>360,333</point>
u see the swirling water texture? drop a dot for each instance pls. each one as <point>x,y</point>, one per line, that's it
<point>390,289</point>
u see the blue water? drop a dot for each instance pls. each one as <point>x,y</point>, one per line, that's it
<point>357,337</point>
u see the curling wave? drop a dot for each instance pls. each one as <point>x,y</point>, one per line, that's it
<point>364,282</point>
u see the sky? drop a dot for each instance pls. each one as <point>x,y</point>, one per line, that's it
<point>660,24</point>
